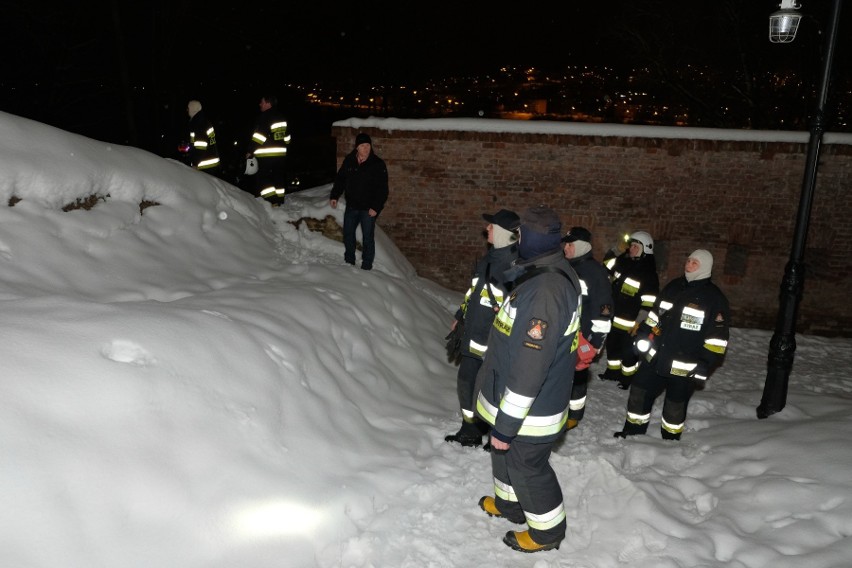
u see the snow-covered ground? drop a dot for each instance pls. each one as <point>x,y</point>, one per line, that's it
<point>205,384</point>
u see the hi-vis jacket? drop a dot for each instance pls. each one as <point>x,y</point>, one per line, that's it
<point>634,287</point>
<point>202,139</point>
<point>486,293</point>
<point>597,298</point>
<point>524,384</point>
<point>689,324</point>
<point>270,137</point>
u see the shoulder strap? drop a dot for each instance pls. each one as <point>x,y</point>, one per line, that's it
<point>488,285</point>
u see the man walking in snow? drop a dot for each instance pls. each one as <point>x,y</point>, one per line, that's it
<point>362,180</point>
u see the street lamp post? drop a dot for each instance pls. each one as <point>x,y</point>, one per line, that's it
<point>782,346</point>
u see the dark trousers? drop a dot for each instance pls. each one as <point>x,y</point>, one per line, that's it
<point>466,381</point>
<point>525,483</point>
<point>647,386</point>
<point>578,395</point>
<point>271,172</point>
<point>351,219</point>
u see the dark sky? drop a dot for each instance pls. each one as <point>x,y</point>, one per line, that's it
<point>92,60</point>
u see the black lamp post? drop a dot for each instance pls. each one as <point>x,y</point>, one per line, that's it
<point>782,347</point>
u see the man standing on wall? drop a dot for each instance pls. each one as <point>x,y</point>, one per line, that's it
<point>362,180</point>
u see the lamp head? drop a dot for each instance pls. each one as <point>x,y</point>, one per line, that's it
<point>784,23</point>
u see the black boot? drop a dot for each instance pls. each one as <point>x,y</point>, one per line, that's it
<point>610,375</point>
<point>669,435</point>
<point>631,429</point>
<point>468,435</point>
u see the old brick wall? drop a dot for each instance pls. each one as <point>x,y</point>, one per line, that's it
<point>737,198</point>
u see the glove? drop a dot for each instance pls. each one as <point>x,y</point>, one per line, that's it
<point>454,341</point>
<point>640,319</point>
<point>700,372</point>
<point>585,353</point>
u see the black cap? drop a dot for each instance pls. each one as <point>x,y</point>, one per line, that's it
<point>577,234</point>
<point>363,138</point>
<point>509,220</point>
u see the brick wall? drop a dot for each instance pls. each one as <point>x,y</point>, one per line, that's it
<point>736,197</point>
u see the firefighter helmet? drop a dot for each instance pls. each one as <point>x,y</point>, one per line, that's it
<point>644,238</point>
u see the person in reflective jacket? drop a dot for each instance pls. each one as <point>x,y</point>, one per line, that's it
<point>481,302</point>
<point>596,319</point>
<point>524,384</point>
<point>204,154</point>
<point>634,289</point>
<point>269,141</point>
<point>683,339</point>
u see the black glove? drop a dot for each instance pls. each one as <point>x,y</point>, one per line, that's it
<point>454,342</point>
<point>700,372</point>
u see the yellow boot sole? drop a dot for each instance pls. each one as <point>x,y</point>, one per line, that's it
<point>523,542</point>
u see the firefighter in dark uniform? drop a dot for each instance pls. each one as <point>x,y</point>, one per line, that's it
<point>683,339</point>
<point>524,385</point>
<point>596,319</point>
<point>481,302</point>
<point>203,152</point>
<point>634,289</point>
<point>269,141</point>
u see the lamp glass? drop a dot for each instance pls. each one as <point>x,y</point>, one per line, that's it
<point>783,26</point>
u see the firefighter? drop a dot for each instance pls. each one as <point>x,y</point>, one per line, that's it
<point>596,314</point>
<point>203,152</point>
<point>269,141</point>
<point>683,339</point>
<point>524,384</point>
<point>634,288</point>
<point>476,314</point>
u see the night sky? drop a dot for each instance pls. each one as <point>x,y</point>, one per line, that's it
<point>85,69</point>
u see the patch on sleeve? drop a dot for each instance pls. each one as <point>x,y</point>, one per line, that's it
<point>537,329</point>
<point>720,318</point>
<point>606,310</point>
<point>535,346</point>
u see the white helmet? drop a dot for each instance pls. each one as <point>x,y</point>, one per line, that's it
<point>644,238</point>
<point>251,166</point>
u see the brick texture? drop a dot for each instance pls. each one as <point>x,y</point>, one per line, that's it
<point>738,199</point>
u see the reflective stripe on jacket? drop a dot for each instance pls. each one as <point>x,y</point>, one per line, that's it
<point>524,385</point>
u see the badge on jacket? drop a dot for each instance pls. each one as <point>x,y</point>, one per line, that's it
<point>537,329</point>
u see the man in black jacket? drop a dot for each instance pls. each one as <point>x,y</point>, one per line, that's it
<point>683,339</point>
<point>362,180</point>
<point>596,315</point>
<point>481,302</point>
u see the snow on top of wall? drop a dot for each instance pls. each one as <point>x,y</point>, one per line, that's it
<point>587,129</point>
